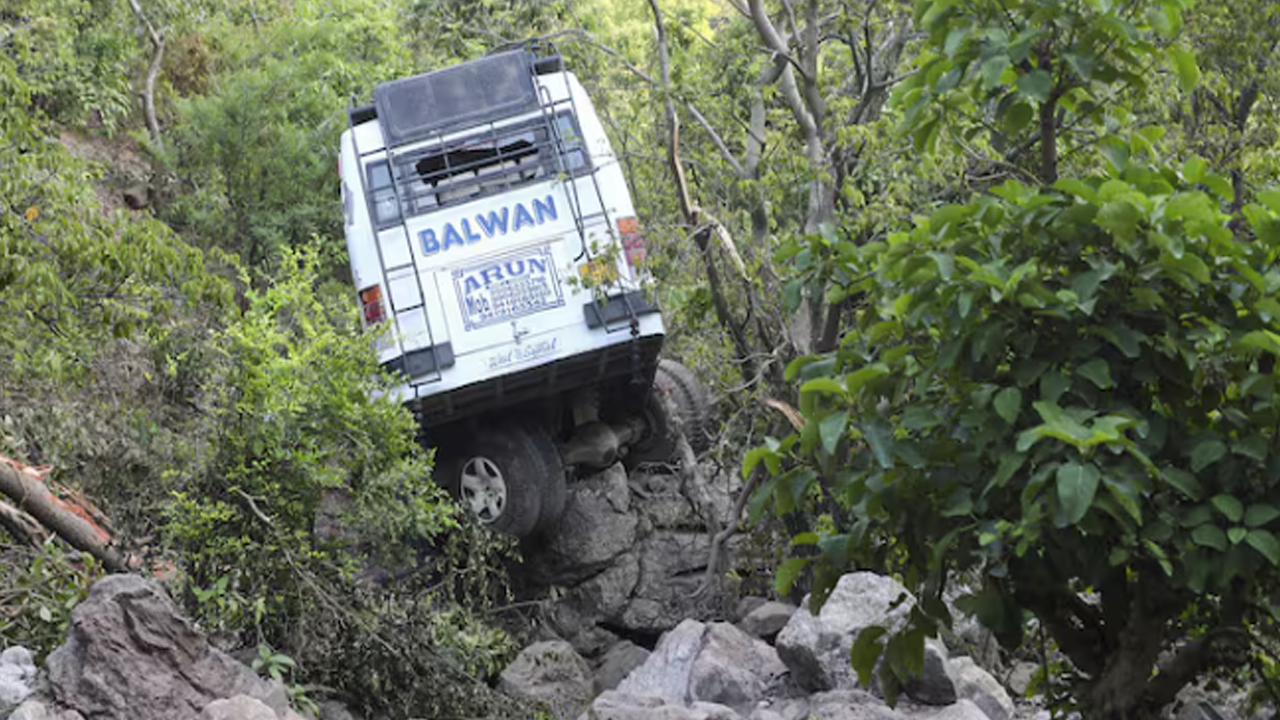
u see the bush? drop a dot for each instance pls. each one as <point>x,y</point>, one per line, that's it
<point>1070,392</point>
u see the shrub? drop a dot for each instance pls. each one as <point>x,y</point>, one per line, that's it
<point>1070,392</point>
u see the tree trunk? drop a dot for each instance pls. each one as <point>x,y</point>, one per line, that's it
<point>26,490</point>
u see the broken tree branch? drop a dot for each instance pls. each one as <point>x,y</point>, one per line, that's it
<point>27,490</point>
<point>21,527</point>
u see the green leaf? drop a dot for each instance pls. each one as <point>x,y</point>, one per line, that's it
<point>1206,453</point>
<point>1210,536</point>
<point>831,429</point>
<point>1008,404</point>
<point>788,572</point>
<point>1260,515</point>
<point>880,437</point>
<point>1265,543</point>
<point>854,381</point>
<point>866,651</point>
<point>1036,85</point>
<point>1184,64</point>
<point>1077,486</point>
<point>1183,481</point>
<point>1097,372</point>
<point>1229,506</point>
<point>823,386</point>
<point>1120,217</point>
<point>1236,534</point>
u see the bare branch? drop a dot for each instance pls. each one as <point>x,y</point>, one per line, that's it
<point>153,72</point>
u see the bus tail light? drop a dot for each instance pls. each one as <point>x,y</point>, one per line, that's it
<point>374,311</point>
<point>633,243</point>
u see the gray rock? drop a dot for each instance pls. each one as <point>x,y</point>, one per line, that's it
<point>961,710</point>
<point>615,705</point>
<point>838,705</point>
<point>815,648</point>
<point>550,672</point>
<point>240,707</point>
<point>670,575</point>
<point>974,683</point>
<point>746,605</point>
<point>17,678</point>
<point>767,620</point>
<point>665,674</point>
<point>597,526</point>
<point>618,663</point>
<point>35,710</point>
<point>334,710</point>
<point>762,713</point>
<point>711,663</point>
<point>1020,677</point>
<point>933,686</point>
<point>130,654</point>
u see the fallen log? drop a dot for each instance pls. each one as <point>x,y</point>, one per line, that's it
<point>24,486</point>
<point>21,526</point>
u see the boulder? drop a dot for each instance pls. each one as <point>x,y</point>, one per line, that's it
<point>815,648</point>
<point>715,663</point>
<point>671,565</point>
<point>615,705</point>
<point>975,684</point>
<point>767,619</point>
<point>838,705</point>
<point>746,604</point>
<point>131,654</point>
<point>36,710</point>
<point>550,672</point>
<point>933,686</point>
<point>618,662</point>
<point>17,678</point>
<point>961,710</point>
<point>1021,676</point>
<point>240,707</point>
<point>597,526</point>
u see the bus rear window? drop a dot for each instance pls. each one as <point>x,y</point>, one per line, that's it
<point>489,162</point>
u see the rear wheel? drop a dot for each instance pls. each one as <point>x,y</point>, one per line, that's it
<point>508,477</point>
<point>678,401</point>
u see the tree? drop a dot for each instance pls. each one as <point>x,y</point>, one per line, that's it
<point>1062,388</point>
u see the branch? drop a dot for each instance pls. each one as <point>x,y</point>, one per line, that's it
<point>153,71</point>
<point>719,539</point>
<point>21,527</point>
<point>24,487</point>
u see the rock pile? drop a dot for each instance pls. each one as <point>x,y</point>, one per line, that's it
<point>131,654</point>
<point>630,556</point>
<point>720,671</point>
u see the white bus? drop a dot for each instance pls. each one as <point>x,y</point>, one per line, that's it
<point>494,244</point>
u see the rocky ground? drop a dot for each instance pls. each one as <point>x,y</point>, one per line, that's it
<point>632,635</point>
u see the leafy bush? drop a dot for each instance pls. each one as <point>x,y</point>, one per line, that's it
<point>1072,393</point>
<point>37,593</point>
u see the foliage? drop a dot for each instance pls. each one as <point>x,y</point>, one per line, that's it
<point>294,415</point>
<point>39,591</point>
<point>1064,388</point>
<point>74,55</point>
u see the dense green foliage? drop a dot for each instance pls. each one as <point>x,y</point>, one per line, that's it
<point>1060,388</point>
<point>1017,259</point>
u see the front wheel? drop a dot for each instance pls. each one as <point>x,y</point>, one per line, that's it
<point>509,477</point>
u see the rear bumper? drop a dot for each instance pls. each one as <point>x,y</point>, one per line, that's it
<point>636,358</point>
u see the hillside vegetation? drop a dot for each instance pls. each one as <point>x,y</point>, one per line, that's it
<point>989,290</point>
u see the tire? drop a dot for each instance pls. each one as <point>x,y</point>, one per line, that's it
<point>691,400</point>
<point>675,390</point>
<point>504,476</point>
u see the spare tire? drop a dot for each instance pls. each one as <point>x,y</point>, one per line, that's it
<point>675,390</point>
<point>509,477</point>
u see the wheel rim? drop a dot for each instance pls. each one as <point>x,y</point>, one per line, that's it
<point>484,489</point>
